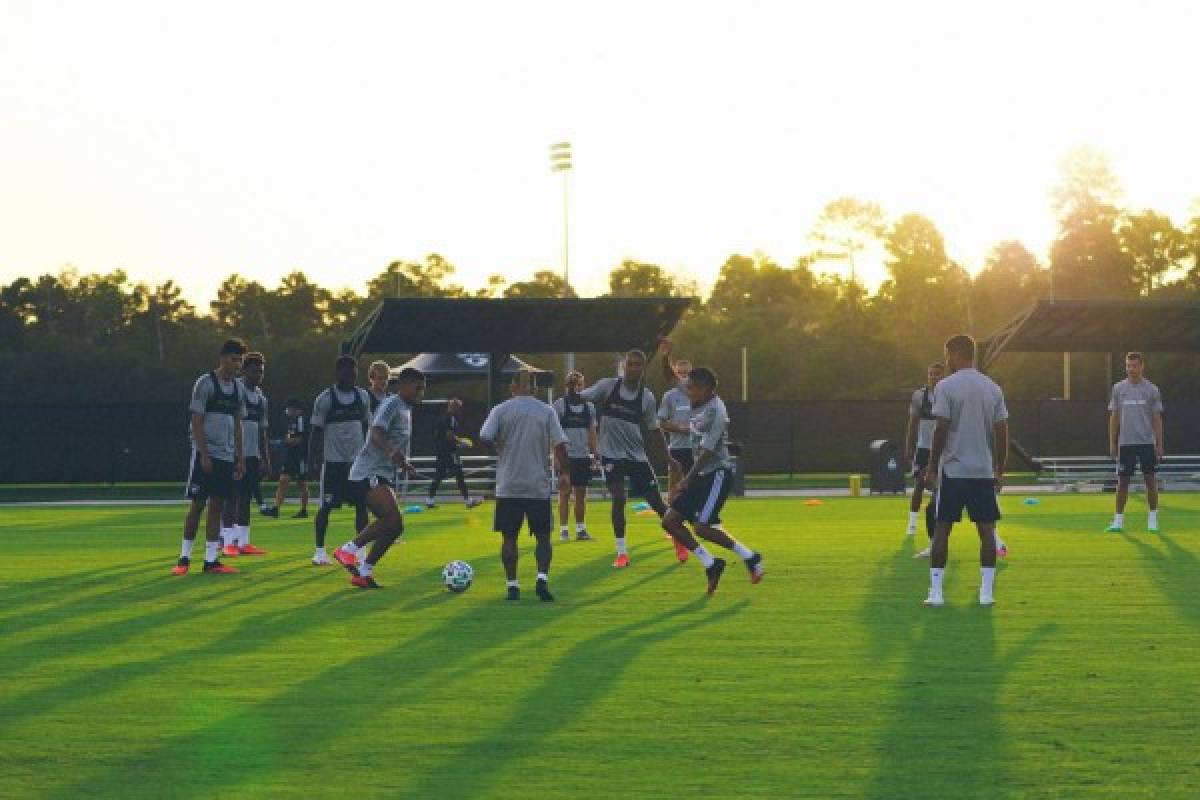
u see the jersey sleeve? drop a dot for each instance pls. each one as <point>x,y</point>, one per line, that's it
<point>383,417</point>
<point>667,407</point>
<point>718,427</point>
<point>941,401</point>
<point>1112,398</point>
<point>598,389</point>
<point>914,405</point>
<point>592,415</point>
<point>1000,413</point>
<point>490,431</point>
<point>320,409</point>
<point>554,428</point>
<point>1158,406</point>
<point>201,392</point>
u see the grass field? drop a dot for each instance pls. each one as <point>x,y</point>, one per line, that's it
<point>827,680</point>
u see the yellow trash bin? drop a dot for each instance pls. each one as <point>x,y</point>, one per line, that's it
<point>856,485</point>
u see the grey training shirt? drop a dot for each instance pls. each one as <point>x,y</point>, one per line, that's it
<point>973,403</point>
<point>710,431</point>
<point>577,438</point>
<point>677,408</point>
<point>1136,405</point>
<point>342,439</point>
<point>251,425</point>
<point>523,431</point>
<point>394,417</point>
<point>925,427</point>
<point>218,427</point>
<point>619,438</point>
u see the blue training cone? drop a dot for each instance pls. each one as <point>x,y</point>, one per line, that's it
<point>641,506</point>
<point>413,509</point>
<point>1031,501</point>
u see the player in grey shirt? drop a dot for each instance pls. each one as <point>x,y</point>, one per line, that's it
<point>673,414</point>
<point>340,418</point>
<point>705,487</point>
<point>524,431</point>
<point>1135,435</point>
<point>627,408</point>
<point>217,409</point>
<point>235,528</point>
<point>578,420</point>
<point>968,458</point>
<point>917,441</point>
<point>373,474</point>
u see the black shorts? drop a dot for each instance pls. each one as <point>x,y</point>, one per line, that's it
<point>202,485</point>
<point>1129,455</point>
<point>252,479</point>
<point>977,495</point>
<point>705,497</point>
<point>336,487</point>
<point>642,479</point>
<point>293,463</point>
<point>581,471</point>
<point>357,490</point>
<point>684,457</point>
<point>447,463</point>
<point>511,512</point>
<point>922,460</point>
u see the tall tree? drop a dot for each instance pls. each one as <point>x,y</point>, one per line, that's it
<point>1154,245</point>
<point>1010,281</point>
<point>847,227</point>
<point>1087,259</point>
<point>637,279</point>
<point>241,307</point>
<point>545,283</point>
<point>426,278</point>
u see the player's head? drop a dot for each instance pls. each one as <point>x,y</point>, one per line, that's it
<point>523,382</point>
<point>294,407</point>
<point>1135,364</point>
<point>701,385</point>
<point>574,382</point>
<point>934,373</point>
<point>960,352</point>
<point>345,371</point>
<point>410,384</point>
<point>377,375</point>
<point>635,365</point>
<point>254,365</point>
<point>454,406</point>
<point>682,367</point>
<point>230,357</point>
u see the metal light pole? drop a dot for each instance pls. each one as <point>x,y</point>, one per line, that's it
<point>560,161</point>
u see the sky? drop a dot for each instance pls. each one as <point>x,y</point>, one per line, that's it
<point>187,141</point>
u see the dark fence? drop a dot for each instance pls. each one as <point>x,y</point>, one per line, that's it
<point>77,444</point>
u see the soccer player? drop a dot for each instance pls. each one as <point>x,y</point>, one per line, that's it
<point>377,377</point>
<point>524,431</point>
<point>1135,436</point>
<point>967,462</point>
<point>295,452</point>
<point>258,460</point>
<point>705,486</point>
<point>626,406</point>
<point>340,419</point>
<point>445,446</point>
<point>577,417</point>
<point>918,438</point>
<point>373,474</point>
<point>217,410</point>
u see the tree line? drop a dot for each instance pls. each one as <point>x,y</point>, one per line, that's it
<point>811,333</point>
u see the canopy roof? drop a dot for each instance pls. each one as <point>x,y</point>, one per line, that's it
<point>467,366</point>
<point>1098,326</point>
<point>517,325</point>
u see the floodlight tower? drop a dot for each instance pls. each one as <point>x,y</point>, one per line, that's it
<point>560,161</point>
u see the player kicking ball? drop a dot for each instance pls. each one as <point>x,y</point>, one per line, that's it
<point>703,490</point>
<point>373,474</point>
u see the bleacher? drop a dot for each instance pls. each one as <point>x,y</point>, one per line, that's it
<point>1080,473</point>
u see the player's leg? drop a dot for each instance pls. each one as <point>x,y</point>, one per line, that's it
<point>281,490</point>
<point>985,513</point>
<point>580,493</point>
<point>321,521</point>
<point>460,479</point>
<point>564,506</point>
<point>229,536</point>
<point>644,483</point>
<point>381,534</point>
<point>673,524</point>
<point>920,461</point>
<point>1149,461</point>
<point>541,524</point>
<point>614,476</point>
<point>506,521</point>
<point>244,491</point>
<point>439,475</point>
<point>303,481</point>
<point>930,524</point>
<point>1126,464</point>
<point>220,496</point>
<point>705,503</point>
<point>951,499</point>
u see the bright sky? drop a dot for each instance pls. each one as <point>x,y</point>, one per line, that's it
<point>189,141</point>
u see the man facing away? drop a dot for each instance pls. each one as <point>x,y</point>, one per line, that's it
<point>1135,437</point>
<point>967,462</point>
<point>578,420</point>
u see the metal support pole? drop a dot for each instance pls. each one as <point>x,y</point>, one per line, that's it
<point>1066,376</point>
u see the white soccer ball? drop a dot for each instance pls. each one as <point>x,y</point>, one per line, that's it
<point>457,575</point>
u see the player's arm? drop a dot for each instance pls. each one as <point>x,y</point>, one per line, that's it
<point>1114,431</point>
<point>593,445</point>
<point>198,441</point>
<point>668,371</point>
<point>910,438</point>
<point>1160,445</point>
<point>239,447</point>
<point>1000,452</point>
<point>264,465</point>
<point>940,432</point>
<point>316,446</point>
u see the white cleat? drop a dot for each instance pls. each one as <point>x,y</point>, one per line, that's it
<point>934,599</point>
<point>986,599</point>
<point>320,560</point>
<point>923,554</point>
<point>564,536</point>
<point>472,502</point>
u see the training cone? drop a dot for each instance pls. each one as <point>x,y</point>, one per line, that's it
<point>413,509</point>
<point>814,502</point>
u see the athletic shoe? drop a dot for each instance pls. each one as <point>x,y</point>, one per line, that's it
<point>681,552</point>
<point>347,560</point>
<point>514,593</point>
<point>583,536</point>
<point>217,568</point>
<point>1152,529</point>
<point>472,502</point>
<point>923,554</point>
<point>182,567</point>
<point>714,574</point>
<point>430,504</point>
<point>986,599</point>
<point>301,514</point>
<point>622,561</point>
<point>1114,529</point>
<point>911,532</point>
<point>269,512</point>
<point>251,550</point>
<point>364,583</point>
<point>231,550</point>
<point>564,535</point>
<point>1002,551</point>
<point>543,592</point>
<point>321,560</point>
<point>754,565</point>
<point>934,599</point>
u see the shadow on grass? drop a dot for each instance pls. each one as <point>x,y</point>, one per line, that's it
<point>1177,572</point>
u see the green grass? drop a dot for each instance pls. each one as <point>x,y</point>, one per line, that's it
<point>827,680</point>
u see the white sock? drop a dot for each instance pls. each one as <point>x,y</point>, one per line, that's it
<point>365,569</point>
<point>913,516</point>
<point>320,551</point>
<point>243,534</point>
<point>989,579</point>
<point>543,576</point>
<point>563,529</point>
<point>620,545</point>
<point>514,584</point>
<point>1154,517</point>
<point>226,535</point>
<point>210,550</point>
<point>186,550</point>
<point>706,558</point>
<point>579,528</point>
<point>742,551</point>
<point>350,547</point>
<point>935,579</point>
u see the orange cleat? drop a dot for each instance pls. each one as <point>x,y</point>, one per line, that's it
<point>181,568</point>
<point>681,552</point>
<point>217,568</point>
<point>622,561</point>
<point>230,550</point>
<point>364,583</point>
<point>347,560</point>
<point>251,550</point>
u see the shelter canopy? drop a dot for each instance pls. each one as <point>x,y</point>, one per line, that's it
<point>468,366</point>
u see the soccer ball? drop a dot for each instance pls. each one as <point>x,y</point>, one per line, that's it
<point>457,575</point>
